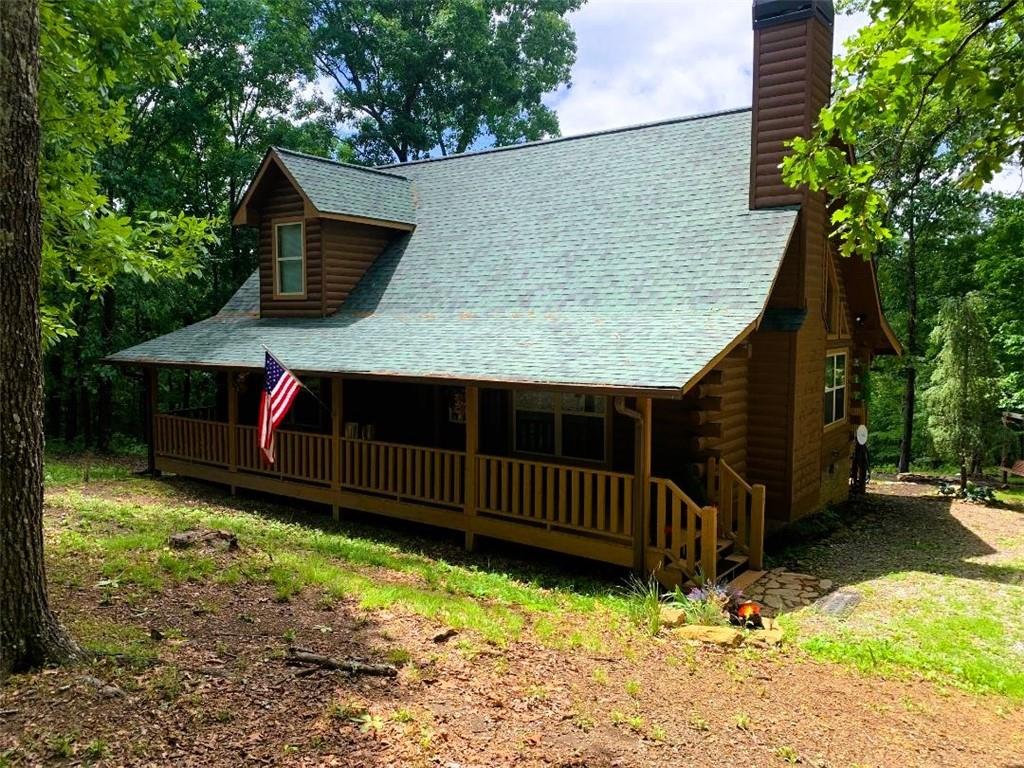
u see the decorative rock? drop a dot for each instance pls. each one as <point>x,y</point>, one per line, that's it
<point>725,636</point>
<point>672,617</point>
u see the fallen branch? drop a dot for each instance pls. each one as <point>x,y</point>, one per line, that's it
<point>353,667</point>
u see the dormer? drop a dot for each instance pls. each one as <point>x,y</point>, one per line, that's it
<point>321,225</point>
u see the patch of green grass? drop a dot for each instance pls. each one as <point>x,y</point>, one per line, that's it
<point>961,635</point>
<point>126,540</point>
<point>130,645</point>
<point>61,746</point>
<point>787,754</point>
<point>95,749</point>
<point>398,656</point>
<point>643,603</point>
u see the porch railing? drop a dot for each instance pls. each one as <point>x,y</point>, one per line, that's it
<point>304,456</point>
<point>406,472</point>
<point>741,510</point>
<point>592,502</point>
<point>684,531</point>
<point>556,496</point>
<point>194,440</point>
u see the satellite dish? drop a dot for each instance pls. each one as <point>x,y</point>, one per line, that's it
<point>862,435</point>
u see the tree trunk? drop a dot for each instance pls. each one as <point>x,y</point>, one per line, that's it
<point>910,387</point>
<point>963,475</point>
<point>105,388</point>
<point>29,632</point>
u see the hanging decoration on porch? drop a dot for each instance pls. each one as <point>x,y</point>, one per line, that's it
<point>280,388</point>
<point>457,406</point>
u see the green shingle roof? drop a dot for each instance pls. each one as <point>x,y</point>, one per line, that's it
<point>619,259</point>
<point>350,190</point>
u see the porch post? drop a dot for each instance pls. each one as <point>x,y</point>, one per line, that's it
<point>152,391</point>
<point>336,425</point>
<point>233,425</point>
<point>641,520</point>
<point>472,439</point>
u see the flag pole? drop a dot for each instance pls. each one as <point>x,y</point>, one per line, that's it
<point>301,384</point>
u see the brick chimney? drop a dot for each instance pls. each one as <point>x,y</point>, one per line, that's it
<point>792,82</point>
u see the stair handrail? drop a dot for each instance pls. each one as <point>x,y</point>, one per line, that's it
<point>687,547</point>
<point>735,499</point>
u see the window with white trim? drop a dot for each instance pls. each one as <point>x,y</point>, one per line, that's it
<point>289,258</point>
<point>568,425</point>
<point>835,387</point>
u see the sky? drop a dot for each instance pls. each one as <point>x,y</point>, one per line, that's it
<point>645,60</point>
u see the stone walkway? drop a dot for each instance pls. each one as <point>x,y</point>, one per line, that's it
<point>780,590</point>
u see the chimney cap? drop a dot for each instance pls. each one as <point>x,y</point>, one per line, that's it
<point>768,13</point>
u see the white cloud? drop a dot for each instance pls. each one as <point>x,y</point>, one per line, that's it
<point>645,60</point>
<point>1009,181</point>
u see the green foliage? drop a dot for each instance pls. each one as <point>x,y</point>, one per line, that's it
<point>425,76</point>
<point>705,605</point>
<point>89,48</point>
<point>979,494</point>
<point>643,603</point>
<point>926,78</point>
<point>999,271</point>
<point>964,394</point>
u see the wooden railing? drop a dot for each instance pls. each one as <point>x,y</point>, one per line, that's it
<point>194,440</point>
<point>406,472</point>
<point>305,456</point>
<point>208,412</point>
<point>740,510</point>
<point>557,496</point>
<point>684,531</point>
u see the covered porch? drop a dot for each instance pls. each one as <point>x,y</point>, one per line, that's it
<point>571,472</point>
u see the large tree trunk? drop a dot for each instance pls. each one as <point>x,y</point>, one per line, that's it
<point>29,633</point>
<point>910,386</point>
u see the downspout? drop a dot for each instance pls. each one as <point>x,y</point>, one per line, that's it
<point>638,490</point>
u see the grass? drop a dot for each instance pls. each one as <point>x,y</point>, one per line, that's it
<point>123,535</point>
<point>941,592</point>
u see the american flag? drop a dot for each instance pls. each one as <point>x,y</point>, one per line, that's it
<point>280,388</point>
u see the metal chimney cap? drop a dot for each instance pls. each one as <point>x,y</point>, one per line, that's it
<point>768,13</point>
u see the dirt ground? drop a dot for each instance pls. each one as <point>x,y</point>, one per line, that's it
<point>220,693</point>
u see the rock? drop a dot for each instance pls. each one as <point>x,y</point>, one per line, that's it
<point>825,585</point>
<point>672,617</point>
<point>725,636</point>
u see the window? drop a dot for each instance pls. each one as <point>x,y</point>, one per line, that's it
<point>835,388</point>
<point>555,424</point>
<point>289,259</point>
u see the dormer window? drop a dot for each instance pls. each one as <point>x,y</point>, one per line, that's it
<point>289,260</point>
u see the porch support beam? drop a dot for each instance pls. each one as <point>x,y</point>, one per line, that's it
<point>151,379</point>
<point>472,440</point>
<point>232,424</point>
<point>337,393</point>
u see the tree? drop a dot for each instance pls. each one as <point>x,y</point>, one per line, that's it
<point>948,72</point>
<point>999,271</point>
<point>426,76</point>
<point>29,632</point>
<point>964,394</point>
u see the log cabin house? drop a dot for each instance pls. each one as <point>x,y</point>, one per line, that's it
<point>636,345</point>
